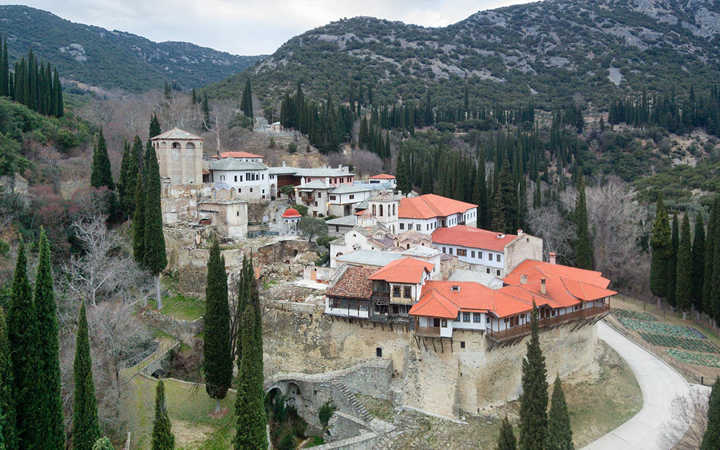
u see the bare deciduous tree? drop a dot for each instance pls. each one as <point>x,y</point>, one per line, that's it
<point>686,430</point>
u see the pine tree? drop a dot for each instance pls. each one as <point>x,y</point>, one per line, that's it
<point>7,396</point>
<point>48,377</point>
<point>672,264</point>
<point>698,266</point>
<point>138,226</point>
<point>162,437</point>
<point>85,428</point>
<point>24,345</point>
<point>534,398</point>
<point>154,129</point>
<point>506,441</point>
<point>559,430</point>
<point>217,358</point>
<point>249,404</point>
<point>661,244</point>
<point>101,172</point>
<point>684,277</point>
<point>154,256</point>
<point>711,438</point>
<point>584,258</point>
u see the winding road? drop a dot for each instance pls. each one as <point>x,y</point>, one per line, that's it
<point>663,419</point>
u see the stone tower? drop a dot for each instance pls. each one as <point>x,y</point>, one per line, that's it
<point>385,207</point>
<point>179,156</point>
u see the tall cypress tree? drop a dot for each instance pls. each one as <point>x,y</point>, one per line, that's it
<point>480,194</point>
<point>714,310</point>
<point>59,102</point>
<point>247,104</point>
<point>24,346</point>
<point>101,172</point>
<point>698,262</point>
<point>684,267</point>
<point>7,396</point>
<point>138,226</point>
<point>85,428</point>
<point>506,441</point>
<point>584,257</point>
<point>249,405</point>
<point>154,129</point>
<point>661,243</point>
<point>711,438</point>
<point>709,256</point>
<point>217,358</point>
<point>48,378</point>
<point>534,398</point>
<point>126,183</point>
<point>559,430</point>
<point>162,437</point>
<point>672,264</point>
<point>154,258</point>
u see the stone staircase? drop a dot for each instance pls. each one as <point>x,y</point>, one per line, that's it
<point>350,397</point>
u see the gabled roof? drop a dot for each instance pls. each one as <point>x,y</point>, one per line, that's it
<point>430,205</point>
<point>382,176</point>
<point>354,283</point>
<point>239,155</point>
<point>176,134</point>
<point>405,270</point>
<point>464,236</point>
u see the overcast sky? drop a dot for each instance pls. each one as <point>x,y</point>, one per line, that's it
<point>250,27</point>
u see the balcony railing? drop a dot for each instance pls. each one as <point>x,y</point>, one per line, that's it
<point>347,312</point>
<point>524,329</point>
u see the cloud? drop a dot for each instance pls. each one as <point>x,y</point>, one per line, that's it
<point>248,27</point>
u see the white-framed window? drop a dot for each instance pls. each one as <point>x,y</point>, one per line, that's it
<point>498,257</point>
<point>477,317</point>
<point>466,317</point>
<point>402,226</point>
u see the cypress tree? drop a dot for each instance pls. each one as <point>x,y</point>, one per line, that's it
<point>48,378</point>
<point>138,226</point>
<point>7,396</point>
<point>154,127</point>
<point>480,194</point>
<point>684,277</point>
<point>559,430</point>
<point>506,441</point>
<point>101,171</point>
<point>661,244</point>
<point>59,102</point>
<point>217,358</point>
<point>24,345</point>
<point>404,183</point>
<point>534,398</point>
<point>124,183</point>
<point>698,264</point>
<point>205,106</point>
<point>507,196</point>
<point>85,428</point>
<point>711,438</point>
<point>247,105</point>
<point>672,265</point>
<point>584,258</point>
<point>715,278</point>
<point>709,256</point>
<point>154,257</point>
<point>249,405</point>
<point>162,437</point>
<point>497,215</point>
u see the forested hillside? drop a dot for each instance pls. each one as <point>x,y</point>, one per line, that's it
<point>113,59</point>
<point>552,51</point>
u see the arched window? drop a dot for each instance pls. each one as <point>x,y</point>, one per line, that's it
<point>373,209</point>
<point>176,146</point>
<point>381,210</point>
<point>190,146</point>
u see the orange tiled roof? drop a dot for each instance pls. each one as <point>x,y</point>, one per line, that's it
<point>291,213</point>
<point>382,176</point>
<point>239,155</point>
<point>354,283</point>
<point>430,205</point>
<point>405,270</point>
<point>472,237</point>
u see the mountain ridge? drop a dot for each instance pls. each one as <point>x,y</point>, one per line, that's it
<point>111,59</point>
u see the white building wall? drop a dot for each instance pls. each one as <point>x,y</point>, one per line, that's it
<point>242,181</point>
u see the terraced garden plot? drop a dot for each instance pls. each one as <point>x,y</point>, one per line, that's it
<point>655,327</point>
<point>626,313</point>
<point>663,340</point>
<point>698,359</point>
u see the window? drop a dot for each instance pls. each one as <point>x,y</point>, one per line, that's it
<point>374,210</point>
<point>250,189</point>
<point>450,250</point>
<point>407,292</point>
<point>396,291</point>
<point>237,213</point>
<point>236,178</point>
<point>461,252</point>
<point>462,344</point>
<point>319,194</point>
<point>443,323</point>
<point>498,257</point>
<point>466,317</point>
<point>352,196</point>
<point>402,226</point>
<point>417,227</point>
<point>378,352</point>
<point>487,270</point>
<point>332,197</point>
<point>498,272</point>
<point>477,317</point>
<point>472,253</point>
<point>479,255</point>
<point>337,228</point>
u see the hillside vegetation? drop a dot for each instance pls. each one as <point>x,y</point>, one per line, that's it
<point>113,59</point>
<point>551,51</point>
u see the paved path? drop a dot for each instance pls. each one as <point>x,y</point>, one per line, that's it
<point>658,425</point>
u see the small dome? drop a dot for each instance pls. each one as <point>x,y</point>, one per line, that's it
<point>291,213</point>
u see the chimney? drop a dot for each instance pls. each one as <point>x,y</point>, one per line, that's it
<point>543,286</point>
<point>523,279</point>
<point>553,256</point>
<point>520,232</point>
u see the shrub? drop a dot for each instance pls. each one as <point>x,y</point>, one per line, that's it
<point>4,248</point>
<point>292,147</point>
<point>325,413</point>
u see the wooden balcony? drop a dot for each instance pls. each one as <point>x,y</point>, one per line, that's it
<point>428,332</point>
<point>522,330</point>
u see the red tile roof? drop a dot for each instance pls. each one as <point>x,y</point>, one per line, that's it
<point>430,205</point>
<point>291,213</point>
<point>382,176</point>
<point>405,270</point>
<point>354,283</point>
<point>464,236</point>
<point>239,155</point>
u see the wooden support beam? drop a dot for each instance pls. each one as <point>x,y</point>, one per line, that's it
<point>424,344</point>
<point>442,346</point>
<point>434,347</point>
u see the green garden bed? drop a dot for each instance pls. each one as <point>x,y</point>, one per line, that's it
<point>626,313</point>
<point>695,358</point>
<point>664,340</point>
<point>655,327</point>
